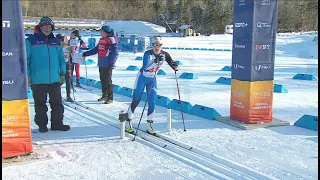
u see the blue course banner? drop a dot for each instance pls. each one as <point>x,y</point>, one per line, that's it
<point>254,38</point>
<point>14,71</point>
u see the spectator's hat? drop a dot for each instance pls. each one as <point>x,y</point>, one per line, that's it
<point>45,20</point>
<point>106,29</point>
<point>76,33</point>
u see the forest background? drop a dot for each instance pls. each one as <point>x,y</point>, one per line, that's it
<point>205,16</point>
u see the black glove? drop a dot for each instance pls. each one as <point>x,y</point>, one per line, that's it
<point>176,68</point>
<point>159,58</point>
<point>175,65</point>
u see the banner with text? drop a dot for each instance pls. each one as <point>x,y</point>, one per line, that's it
<point>16,132</point>
<point>251,102</point>
<point>253,52</point>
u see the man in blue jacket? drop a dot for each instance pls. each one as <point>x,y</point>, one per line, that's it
<point>46,69</point>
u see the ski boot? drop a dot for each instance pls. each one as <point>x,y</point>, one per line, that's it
<point>150,130</point>
<point>78,83</point>
<point>128,126</point>
<point>124,117</point>
<point>108,101</point>
<point>103,98</point>
<point>69,99</point>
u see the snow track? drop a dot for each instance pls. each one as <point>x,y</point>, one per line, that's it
<point>211,164</point>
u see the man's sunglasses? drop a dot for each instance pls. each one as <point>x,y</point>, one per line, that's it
<point>157,45</point>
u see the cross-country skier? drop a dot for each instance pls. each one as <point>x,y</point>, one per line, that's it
<point>152,60</point>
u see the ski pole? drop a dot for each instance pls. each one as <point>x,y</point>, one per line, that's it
<point>71,85</point>
<point>175,72</point>
<point>145,102</point>
<point>85,66</point>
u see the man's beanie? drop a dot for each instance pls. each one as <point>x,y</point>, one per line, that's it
<point>46,21</point>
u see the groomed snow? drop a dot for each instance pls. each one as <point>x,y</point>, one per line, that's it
<point>92,148</point>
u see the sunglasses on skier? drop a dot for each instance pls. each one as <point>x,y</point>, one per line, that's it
<point>157,45</point>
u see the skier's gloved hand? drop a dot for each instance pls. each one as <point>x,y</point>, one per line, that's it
<point>159,58</point>
<point>175,65</point>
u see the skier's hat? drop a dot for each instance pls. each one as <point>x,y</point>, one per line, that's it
<point>157,40</point>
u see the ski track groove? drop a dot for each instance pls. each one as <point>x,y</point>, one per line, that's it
<point>227,171</point>
<point>270,166</point>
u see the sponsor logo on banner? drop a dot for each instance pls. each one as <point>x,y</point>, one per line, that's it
<point>239,46</point>
<point>242,2</point>
<point>7,54</point>
<point>265,94</point>
<point>238,93</point>
<point>9,119</point>
<point>263,25</point>
<point>260,67</point>
<point>261,106</point>
<point>7,82</point>
<point>263,46</point>
<point>9,133</point>
<point>240,25</point>
<point>265,2</point>
<point>238,104</point>
<point>5,24</point>
<point>237,66</point>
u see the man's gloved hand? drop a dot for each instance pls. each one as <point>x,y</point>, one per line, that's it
<point>159,58</point>
<point>62,79</point>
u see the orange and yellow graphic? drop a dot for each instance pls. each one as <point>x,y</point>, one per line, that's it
<point>251,102</point>
<point>16,133</point>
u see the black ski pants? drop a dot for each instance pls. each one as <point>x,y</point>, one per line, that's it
<point>40,92</point>
<point>106,82</point>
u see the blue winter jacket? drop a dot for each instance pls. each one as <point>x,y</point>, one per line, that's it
<point>45,58</point>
